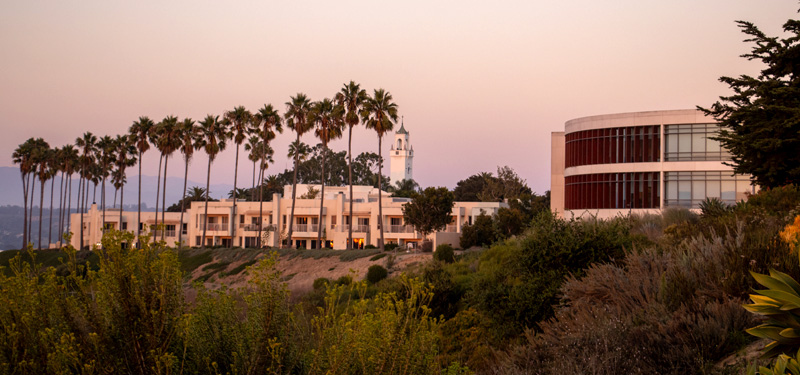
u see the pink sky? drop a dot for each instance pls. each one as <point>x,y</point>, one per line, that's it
<point>479,84</point>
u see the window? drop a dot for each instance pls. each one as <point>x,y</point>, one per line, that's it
<point>634,144</point>
<point>124,226</point>
<point>613,190</point>
<point>688,189</point>
<point>692,142</point>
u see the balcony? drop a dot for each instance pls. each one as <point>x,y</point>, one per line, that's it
<point>167,233</point>
<point>250,227</point>
<point>399,229</point>
<point>356,228</point>
<point>452,228</point>
<point>215,227</point>
<point>305,228</point>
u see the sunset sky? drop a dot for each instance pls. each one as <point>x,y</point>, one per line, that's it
<point>480,83</point>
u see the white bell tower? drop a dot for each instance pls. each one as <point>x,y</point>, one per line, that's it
<point>402,156</point>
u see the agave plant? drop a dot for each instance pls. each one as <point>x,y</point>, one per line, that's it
<point>783,365</point>
<point>780,304</point>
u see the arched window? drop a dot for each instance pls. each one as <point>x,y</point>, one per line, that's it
<point>399,144</point>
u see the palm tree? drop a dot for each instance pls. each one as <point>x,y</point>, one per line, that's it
<point>268,120</point>
<point>126,157</point>
<point>106,148</point>
<point>190,138</point>
<point>52,165</point>
<point>23,156</point>
<point>140,132</point>
<point>296,119</point>
<point>300,150</point>
<point>239,118</point>
<point>329,125</point>
<point>42,155</point>
<point>196,193</point>
<point>70,158</point>
<point>380,114</point>
<point>214,134</point>
<point>254,146</point>
<point>155,134</point>
<point>87,145</point>
<point>352,98</point>
<point>169,140</point>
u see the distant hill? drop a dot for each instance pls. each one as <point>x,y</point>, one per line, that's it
<point>11,189</point>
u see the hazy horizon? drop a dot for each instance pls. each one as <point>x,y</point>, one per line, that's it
<point>479,85</point>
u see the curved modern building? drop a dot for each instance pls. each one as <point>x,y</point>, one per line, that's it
<point>640,162</point>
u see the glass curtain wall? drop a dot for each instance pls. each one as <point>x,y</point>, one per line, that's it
<point>613,190</point>
<point>634,144</point>
<point>692,142</point>
<point>688,189</point>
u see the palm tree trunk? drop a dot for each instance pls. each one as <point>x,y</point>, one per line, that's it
<point>380,192</point>
<point>253,191</point>
<point>79,209</point>
<point>121,195</point>
<point>164,198</point>
<point>205,216</point>
<point>158,186</point>
<point>322,197</point>
<point>235,174</point>
<point>41,203</point>
<point>61,203</point>
<point>103,203</point>
<point>24,210</point>
<point>85,206</point>
<point>183,203</point>
<point>50,227</point>
<point>350,177</point>
<point>30,215</point>
<point>94,194</point>
<point>69,203</point>
<point>260,204</point>
<point>139,212</point>
<point>114,203</point>
<point>294,192</point>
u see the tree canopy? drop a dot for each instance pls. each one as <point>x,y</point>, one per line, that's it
<point>429,210</point>
<point>760,121</point>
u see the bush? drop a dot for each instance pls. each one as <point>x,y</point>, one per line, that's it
<point>321,283</point>
<point>480,233</point>
<point>377,257</point>
<point>427,246</point>
<point>390,246</point>
<point>376,273</point>
<point>444,253</point>
<point>344,280</point>
<point>370,246</point>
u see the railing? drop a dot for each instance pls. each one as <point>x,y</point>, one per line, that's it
<point>215,227</point>
<point>400,229</point>
<point>451,228</point>
<point>167,233</point>
<point>250,227</point>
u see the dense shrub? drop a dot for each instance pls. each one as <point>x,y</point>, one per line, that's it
<point>777,201</point>
<point>390,246</point>
<point>444,253</point>
<point>427,246</point>
<point>370,247</point>
<point>344,280</point>
<point>321,283</point>
<point>376,273</point>
<point>480,233</point>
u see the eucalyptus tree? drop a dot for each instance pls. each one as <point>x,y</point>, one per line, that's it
<point>268,121</point>
<point>214,134</point>
<point>296,119</point>
<point>328,119</point>
<point>125,157</point>
<point>140,133</point>
<point>351,97</point>
<point>169,141</point>
<point>22,155</point>
<point>191,136</point>
<point>380,114</point>
<point>239,119</point>
<point>87,145</point>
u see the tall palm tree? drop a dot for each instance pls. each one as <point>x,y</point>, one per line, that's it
<point>352,98</point>
<point>140,131</point>
<point>329,122</point>
<point>23,156</point>
<point>106,149</point>
<point>214,135</point>
<point>300,150</point>
<point>52,164</point>
<point>42,155</point>
<point>296,119</point>
<point>126,157</point>
<point>87,145</point>
<point>169,140</point>
<point>155,134</point>
<point>254,146</point>
<point>380,114</point>
<point>240,119</point>
<point>71,160</point>
<point>190,141</point>
<point>268,120</point>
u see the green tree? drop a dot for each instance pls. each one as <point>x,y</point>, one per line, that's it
<point>239,119</point>
<point>509,222</point>
<point>329,121</point>
<point>429,210</point>
<point>191,136</point>
<point>480,233</point>
<point>140,131</point>
<point>380,115</point>
<point>268,120</point>
<point>296,119</point>
<point>468,189</point>
<point>215,133</point>
<point>169,140</point>
<point>760,122</point>
<point>405,188</point>
<point>126,157</point>
<point>22,156</point>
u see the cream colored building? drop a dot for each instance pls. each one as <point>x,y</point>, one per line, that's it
<point>241,229</point>
<point>640,162</point>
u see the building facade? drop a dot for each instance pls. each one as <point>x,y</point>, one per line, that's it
<point>640,162</point>
<point>222,227</point>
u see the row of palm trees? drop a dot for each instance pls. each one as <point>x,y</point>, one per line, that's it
<point>96,160</point>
